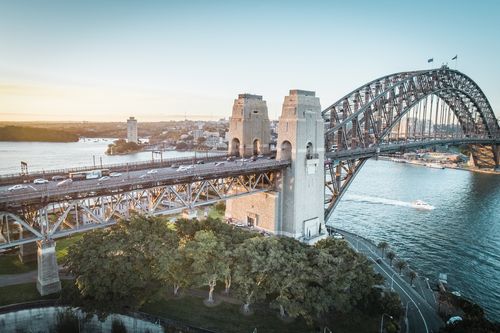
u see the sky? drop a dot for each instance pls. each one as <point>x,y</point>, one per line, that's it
<point>163,60</point>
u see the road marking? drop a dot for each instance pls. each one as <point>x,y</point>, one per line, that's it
<point>396,282</point>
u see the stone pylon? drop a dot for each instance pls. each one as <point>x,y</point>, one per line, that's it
<point>301,140</point>
<point>48,281</point>
<point>249,127</point>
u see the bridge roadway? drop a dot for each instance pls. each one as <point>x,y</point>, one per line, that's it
<point>361,152</point>
<point>132,180</point>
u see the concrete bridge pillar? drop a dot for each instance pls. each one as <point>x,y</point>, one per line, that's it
<point>249,129</point>
<point>48,281</point>
<point>301,139</point>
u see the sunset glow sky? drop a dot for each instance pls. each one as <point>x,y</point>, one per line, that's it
<point>159,60</point>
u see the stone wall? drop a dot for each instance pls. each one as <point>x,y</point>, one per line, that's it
<point>262,207</point>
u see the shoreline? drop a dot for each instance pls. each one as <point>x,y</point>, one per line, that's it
<point>444,166</point>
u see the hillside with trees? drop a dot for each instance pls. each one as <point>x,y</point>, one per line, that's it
<point>21,133</point>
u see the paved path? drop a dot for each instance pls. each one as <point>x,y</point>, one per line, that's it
<point>28,277</point>
<point>422,317</point>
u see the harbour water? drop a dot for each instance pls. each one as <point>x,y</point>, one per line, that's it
<point>460,236</point>
<point>47,155</point>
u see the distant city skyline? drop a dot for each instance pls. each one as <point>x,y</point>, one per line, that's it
<point>166,60</point>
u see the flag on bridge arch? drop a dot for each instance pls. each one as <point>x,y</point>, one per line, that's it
<point>430,60</point>
<point>455,57</point>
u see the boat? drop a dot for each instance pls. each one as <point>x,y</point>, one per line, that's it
<point>419,204</point>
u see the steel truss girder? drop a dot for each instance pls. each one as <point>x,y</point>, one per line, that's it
<point>59,219</point>
<point>339,175</point>
<point>388,99</point>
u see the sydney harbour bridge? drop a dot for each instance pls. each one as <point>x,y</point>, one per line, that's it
<point>319,152</point>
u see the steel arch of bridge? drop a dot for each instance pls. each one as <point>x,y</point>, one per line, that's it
<point>358,123</point>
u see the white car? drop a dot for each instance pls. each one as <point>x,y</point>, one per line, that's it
<point>65,182</point>
<point>152,171</point>
<point>115,174</point>
<point>40,181</point>
<point>336,235</point>
<point>103,178</point>
<point>17,187</point>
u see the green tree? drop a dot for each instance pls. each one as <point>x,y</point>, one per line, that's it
<point>289,279</point>
<point>383,246</point>
<point>400,264</point>
<point>412,275</point>
<point>253,269</point>
<point>115,267</point>
<point>390,255</point>
<point>208,256</point>
<point>353,279</point>
<point>232,238</point>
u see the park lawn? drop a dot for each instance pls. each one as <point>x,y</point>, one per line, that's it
<point>222,318</point>
<point>10,264</point>
<point>25,292</point>
<point>227,318</point>
<point>63,244</point>
<point>216,214</point>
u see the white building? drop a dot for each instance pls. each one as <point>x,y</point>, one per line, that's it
<point>132,130</point>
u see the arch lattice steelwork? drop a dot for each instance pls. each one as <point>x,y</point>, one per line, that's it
<point>405,110</point>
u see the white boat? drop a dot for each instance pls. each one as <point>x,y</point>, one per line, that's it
<point>419,204</point>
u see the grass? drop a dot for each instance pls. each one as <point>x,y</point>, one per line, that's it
<point>222,318</point>
<point>227,318</point>
<point>20,293</point>
<point>10,263</point>
<point>216,214</point>
<point>63,244</point>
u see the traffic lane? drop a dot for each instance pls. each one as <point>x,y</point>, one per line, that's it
<point>138,175</point>
<point>424,319</point>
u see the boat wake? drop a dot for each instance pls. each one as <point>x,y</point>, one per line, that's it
<point>382,201</point>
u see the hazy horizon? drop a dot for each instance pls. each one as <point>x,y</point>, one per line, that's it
<point>166,60</point>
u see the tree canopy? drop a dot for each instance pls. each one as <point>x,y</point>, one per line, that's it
<point>128,264</point>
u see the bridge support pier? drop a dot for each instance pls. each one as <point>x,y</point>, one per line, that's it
<point>48,281</point>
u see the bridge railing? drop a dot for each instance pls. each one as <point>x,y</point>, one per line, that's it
<point>131,166</point>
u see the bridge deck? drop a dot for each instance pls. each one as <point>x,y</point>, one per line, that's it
<point>394,147</point>
<point>133,180</point>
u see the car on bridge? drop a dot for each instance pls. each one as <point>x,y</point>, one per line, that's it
<point>65,182</point>
<point>40,181</point>
<point>152,171</point>
<point>115,174</point>
<point>18,187</point>
<point>103,179</point>
<point>58,178</point>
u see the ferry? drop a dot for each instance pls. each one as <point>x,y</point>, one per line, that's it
<point>419,204</point>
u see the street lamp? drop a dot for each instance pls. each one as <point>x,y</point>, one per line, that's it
<point>392,281</point>
<point>382,321</point>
